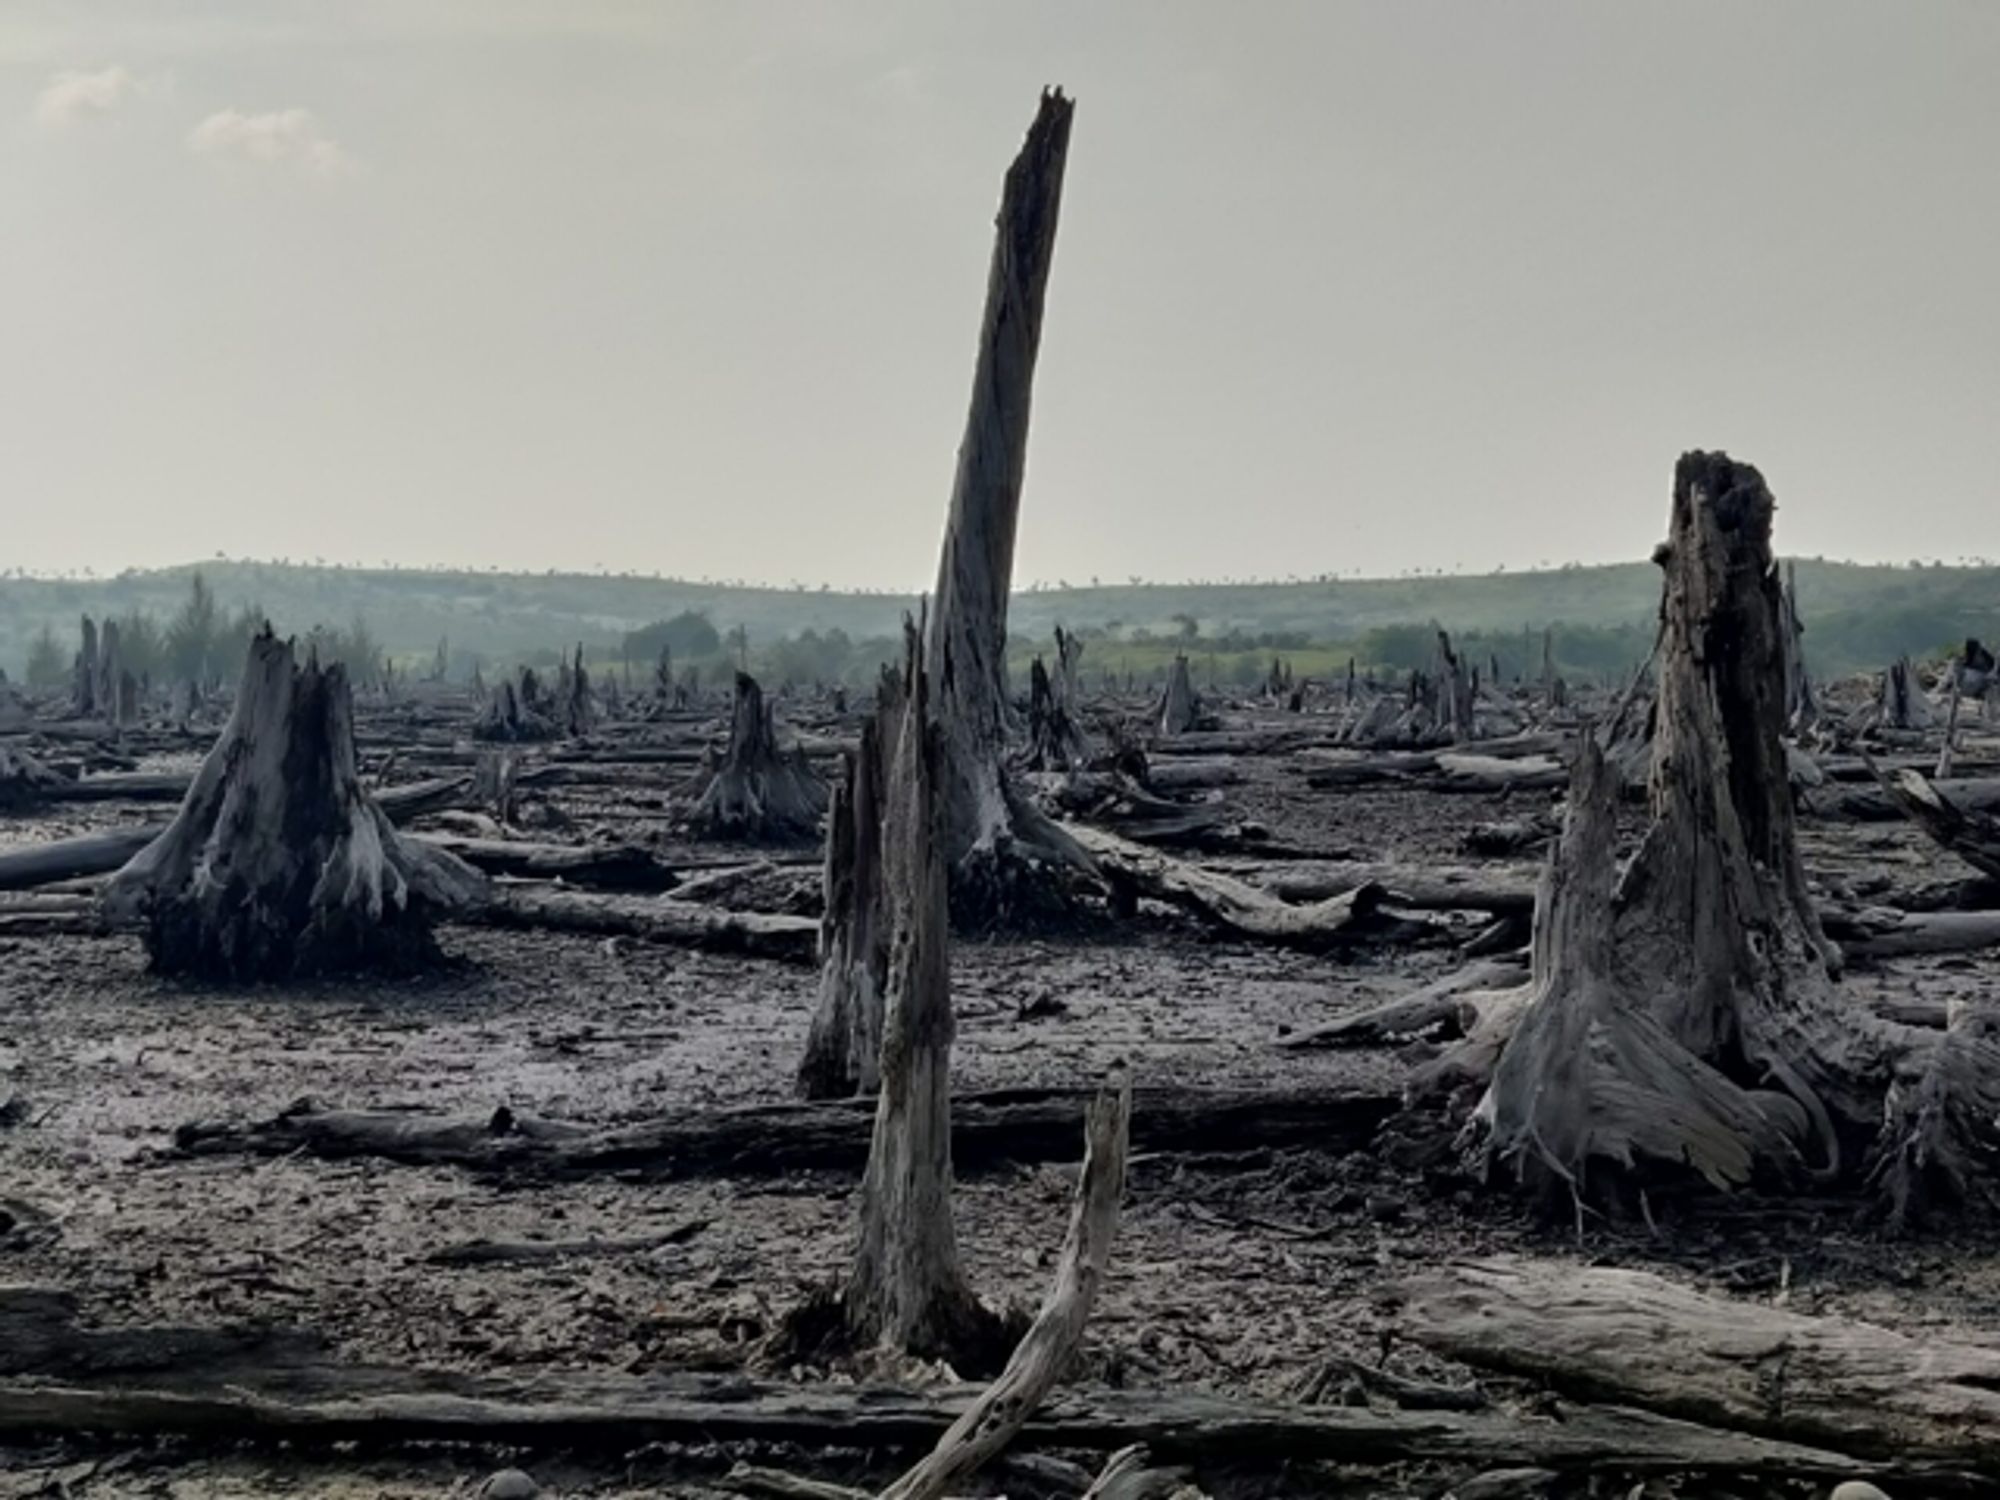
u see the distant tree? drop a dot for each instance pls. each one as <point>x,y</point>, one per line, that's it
<point>193,636</point>
<point>688,634</point>
<point>142,647</point>
<point>47,664</point>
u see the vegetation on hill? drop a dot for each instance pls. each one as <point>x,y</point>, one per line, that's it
<point>1858,617</point>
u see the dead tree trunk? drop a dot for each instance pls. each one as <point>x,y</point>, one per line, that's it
<point>843,1048</point>
<point>1686,1012</point>
<point>1456,694</point>
<point>1555,693</point>
<point>757,791</point>
<point>1002,854</point>
<point>110,670</point>
<point>1056,741</point>
<point>907,1290</point>
<point>278,863</point>
<point>576,710</point>
<point>1050,1343</point>
<point>1801,709</point>
<point>83,681</point>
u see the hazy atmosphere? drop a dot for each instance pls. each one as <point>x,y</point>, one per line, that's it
<point>1000,749</point>
<point>690,288</point>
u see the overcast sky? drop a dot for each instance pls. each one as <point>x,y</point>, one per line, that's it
<point>693,287</point>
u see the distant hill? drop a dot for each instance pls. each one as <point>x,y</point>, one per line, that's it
<point>1857,616</point>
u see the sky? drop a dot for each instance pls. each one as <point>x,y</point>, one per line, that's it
<point>694,287</point>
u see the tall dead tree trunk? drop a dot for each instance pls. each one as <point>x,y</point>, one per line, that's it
<point>843,1048</point>
<point>1003,854</point>
<point>83,682</point>
<point>907,1290</point>
<point>758,791</point>
<point>1686,1012</point>
<point>106,691</point>
<point>1555,693</point>
<point>1456,693</point>
<point>1801,708</point>
<point>278,863</point>
<point>576,709</point>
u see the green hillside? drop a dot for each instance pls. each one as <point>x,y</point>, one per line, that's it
<point>1857,616</point>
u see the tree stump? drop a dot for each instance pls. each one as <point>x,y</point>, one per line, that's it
<point>1180,709</point>
<point>1686,1013</point>
<point>843,1048</point>
<point>1004,856</point>
<point>756,791</point>
<point>1456,694</point>
<point>25,781</point>
<point>514,714</point>
<point>278,863</point>
<point>907,1290</point>
<point>1901,703</point>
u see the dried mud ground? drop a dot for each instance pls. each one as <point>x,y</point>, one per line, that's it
<point>1237,1273</point>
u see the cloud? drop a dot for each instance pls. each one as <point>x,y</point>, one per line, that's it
<point>69,96</point>
<point>279,138</point>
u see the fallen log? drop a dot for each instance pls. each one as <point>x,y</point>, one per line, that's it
<point>122,786</point>
<point>1878,932</point>
<point>650,919</point>
<point>988,1130</point>
<point>619,867</point>
<point>1438,1005</point>
<point>1503,892</point>
<point>1746,1366</point>
<point>1235,906</point>
<point>1967,831</point>
<point>377,1409</point>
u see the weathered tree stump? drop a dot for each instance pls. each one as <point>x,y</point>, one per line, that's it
<point>1180,708</point>
<point>756,791</point>
<point>1901,703</point>
<point>25,780</point>
<point>278,863</point>
<point>514,713</point>
<point>907,1290</point>
<point>1685,1013</point>
<point>843,1047</point>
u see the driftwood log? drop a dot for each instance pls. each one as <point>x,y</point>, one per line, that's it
<point>233,1386</point>
<point>1634,1337</point>
<point>1236,907</point>
<point>988,1130</point>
